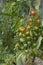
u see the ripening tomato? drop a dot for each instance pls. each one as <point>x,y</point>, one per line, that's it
<point>22,29</point>
<point>38,21</point>
<point>28,33</point>
<point>35,28</point>
<point>33,13</point>
<point>29,27</point>
<point>31,20</point>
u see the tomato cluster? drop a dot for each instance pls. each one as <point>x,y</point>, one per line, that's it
<point>33,13</point>
<point>29,34</point>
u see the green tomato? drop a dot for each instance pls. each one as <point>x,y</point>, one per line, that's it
<point>23,35</point>
<point>25,45</point>
<point>26,51</point>
<point>28,38</point>
<point>17,45</point>
<point>29,43</point>
<point>22,39</point>
<point>22,48</point>
<point>20,34</point>
<point>34,45</point>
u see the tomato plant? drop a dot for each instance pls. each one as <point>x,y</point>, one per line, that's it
<point>21,32</point>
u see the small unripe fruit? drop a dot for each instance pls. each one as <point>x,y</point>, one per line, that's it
<point>25,45</point>
<point>28,38</point>
<point>26,51</point>
<point>20,34</point>
<point>17,45</point>
<point>28,33</point>
<point>28,27</point>
<point>34,45</point>
<point>29,43</point>
<point>22,40</point>
<point>35,28</point>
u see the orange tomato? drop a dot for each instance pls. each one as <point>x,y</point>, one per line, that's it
<point>38,21</point>
<point>33,13</point>
<point>22,29</point>
<point>31,20</point>
<point>28,27</point>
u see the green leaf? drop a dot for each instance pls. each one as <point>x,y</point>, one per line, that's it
<point>39,42</point>
<point>37,4</point>
<point>18,24</point>
<point>21,58</point>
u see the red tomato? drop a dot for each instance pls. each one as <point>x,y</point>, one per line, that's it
<point>33,13</point>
